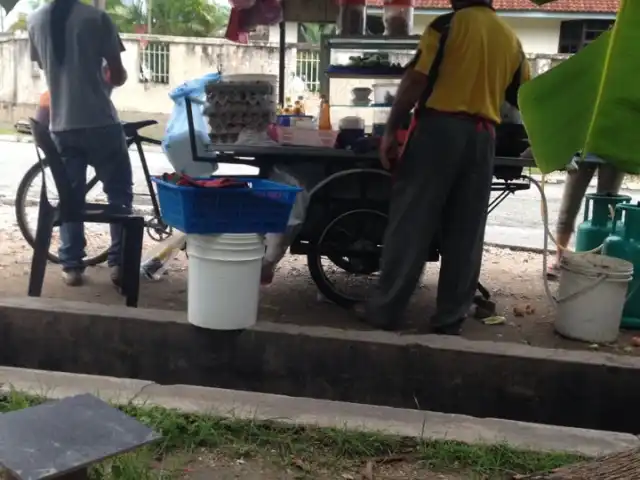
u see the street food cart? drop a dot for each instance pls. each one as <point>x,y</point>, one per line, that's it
<point>348,191</point>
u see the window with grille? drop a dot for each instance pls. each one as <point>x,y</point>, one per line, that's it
<point>308,53</point>
<point>577,34</point>
<point>308,68</point>
<point>154,63</point>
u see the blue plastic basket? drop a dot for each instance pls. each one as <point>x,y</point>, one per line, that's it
<point>263,208</point>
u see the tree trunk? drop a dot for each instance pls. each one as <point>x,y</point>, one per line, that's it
<point>617,466</point>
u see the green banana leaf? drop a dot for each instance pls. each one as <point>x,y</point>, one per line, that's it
<point>557,107</point>
<point>590,102</point>
<point>613,133</point>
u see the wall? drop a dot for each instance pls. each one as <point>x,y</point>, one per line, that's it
<point>21,82</point>
<point>538,35</point>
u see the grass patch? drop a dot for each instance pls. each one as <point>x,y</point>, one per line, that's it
<point>305,449</point>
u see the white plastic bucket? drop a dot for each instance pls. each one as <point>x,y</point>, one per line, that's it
<point>591,297</point>
<point>224,280</point>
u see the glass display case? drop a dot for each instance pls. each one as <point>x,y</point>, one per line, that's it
<point>350,66</point>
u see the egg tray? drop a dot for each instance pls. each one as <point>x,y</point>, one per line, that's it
<point>222,125</point>
<point>259,106</point>
<point>224,139</point>
<point>259,88</point>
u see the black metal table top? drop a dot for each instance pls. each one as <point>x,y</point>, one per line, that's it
<point>248,155</point>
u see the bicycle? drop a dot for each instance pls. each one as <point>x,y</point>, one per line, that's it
<point>157,230</point>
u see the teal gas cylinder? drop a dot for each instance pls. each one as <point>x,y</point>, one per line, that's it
<point>597,220</point>
<point>624,243</point>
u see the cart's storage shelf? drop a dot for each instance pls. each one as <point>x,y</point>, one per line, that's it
<point>332,43</point>
<point>364,73</point>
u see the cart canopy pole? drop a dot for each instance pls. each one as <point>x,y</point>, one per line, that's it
<point>282,58</point>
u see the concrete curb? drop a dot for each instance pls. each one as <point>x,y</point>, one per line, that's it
<point>560,179</point>
<point>437,373</point>
<point>29,139</point>
<point>518,248</point>
<point>550,180</point>
<point>322,413</point>
<point>16,138</point>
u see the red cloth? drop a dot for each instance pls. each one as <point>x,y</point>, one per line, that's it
<point>234,32</point>
<point>186,181</point>
<point>245,20</point>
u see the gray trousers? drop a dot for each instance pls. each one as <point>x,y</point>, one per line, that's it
<point>441,191</point>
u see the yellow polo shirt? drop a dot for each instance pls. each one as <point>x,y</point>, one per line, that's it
<point>474,61</point>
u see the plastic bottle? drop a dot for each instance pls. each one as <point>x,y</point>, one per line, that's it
<point>324,117</point>
<point>288,107</point>
<point>157,260</point>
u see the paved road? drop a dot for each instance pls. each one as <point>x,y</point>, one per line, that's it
<point>515,222</point>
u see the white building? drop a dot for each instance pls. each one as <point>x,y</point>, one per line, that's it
<point>562,26</point>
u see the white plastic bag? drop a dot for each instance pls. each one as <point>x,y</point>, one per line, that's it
<point>510,114</point>
<point>176,143</point>
<point>277,244</point>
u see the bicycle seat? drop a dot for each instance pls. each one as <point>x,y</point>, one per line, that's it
<point>131,128</point>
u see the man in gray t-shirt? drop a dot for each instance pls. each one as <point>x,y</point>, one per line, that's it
<point>70,41</point>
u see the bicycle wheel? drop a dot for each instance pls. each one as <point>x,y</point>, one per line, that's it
<point>26,205</point>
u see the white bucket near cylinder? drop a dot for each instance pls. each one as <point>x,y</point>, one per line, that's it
<point>591,297</point>
<point>224,280</point>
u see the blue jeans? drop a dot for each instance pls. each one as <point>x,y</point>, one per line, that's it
<point>105,149</point>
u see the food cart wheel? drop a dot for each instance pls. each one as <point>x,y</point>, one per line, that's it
<point>346,264</point>
<point>353,242</point>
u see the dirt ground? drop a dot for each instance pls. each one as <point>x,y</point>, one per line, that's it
<point>512,277</point>
<point>257,469</point>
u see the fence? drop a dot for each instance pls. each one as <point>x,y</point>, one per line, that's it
<point>165,62</point>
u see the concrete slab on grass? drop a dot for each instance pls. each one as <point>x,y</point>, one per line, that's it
<point>323,413</point>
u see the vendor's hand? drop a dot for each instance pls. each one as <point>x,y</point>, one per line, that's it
<point>389,151</point>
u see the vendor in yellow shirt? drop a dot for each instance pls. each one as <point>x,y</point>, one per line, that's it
<point>467,64</point>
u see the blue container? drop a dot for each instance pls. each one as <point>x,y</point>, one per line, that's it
<point>285,120</point>
<point>263,208</point>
